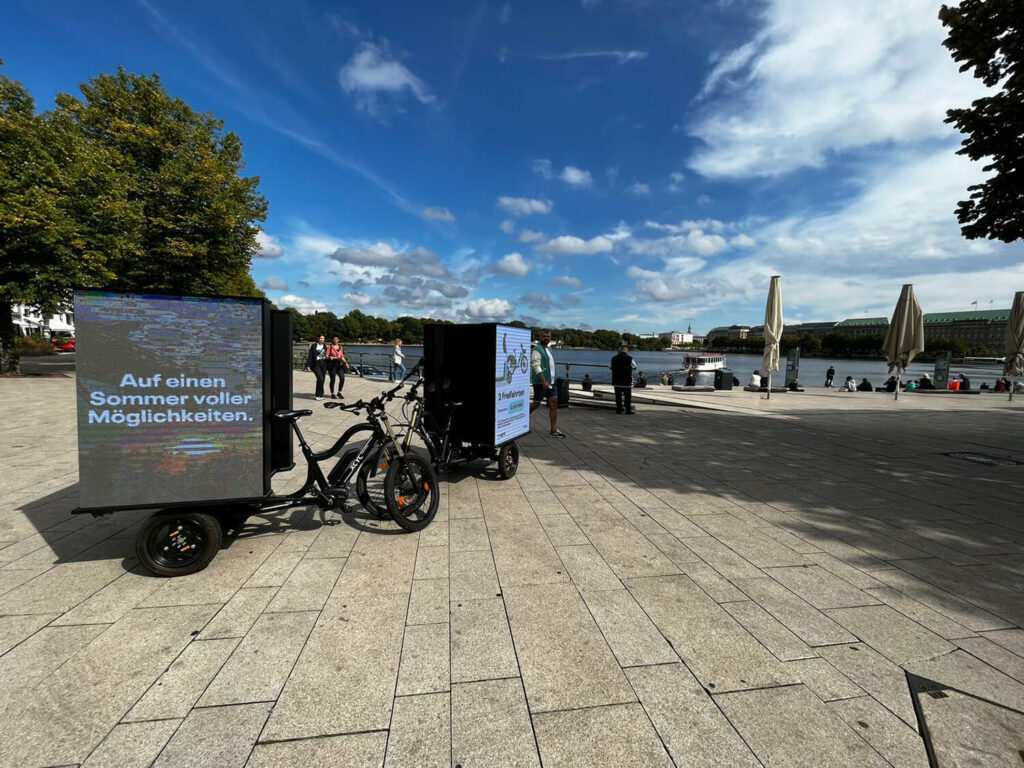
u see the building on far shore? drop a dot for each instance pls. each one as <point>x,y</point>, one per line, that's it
<point>980,330</point>
<point>29,322</point>
<point>675,338</point>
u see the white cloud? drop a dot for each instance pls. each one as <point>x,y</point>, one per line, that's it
<point>505,13</point>
<point>370,72</point>
<point>269,248</point>
<point>622,57</point>
<point>274,283</point>
<point>358,299</point>
<point>639,189</point>
<point>513,264</point>
<point>507,226</point>
<point>524,206</point>
<point>305,306</point>
<point>742,241</point>
<point>576,177</point>
<point>570,245</point>
<point>566,280</point>
<point>488,308</point>
<point>529,236</point>
<point>437,214</point>
<point>694,241</point>
<point>824,76</point>
<point>675,181</point>
<point>542,167</point>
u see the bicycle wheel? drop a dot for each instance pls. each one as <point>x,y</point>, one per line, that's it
<point>411,492</point>
<point>370,483</point>
<point>508,460</point>
<point>178,543</point>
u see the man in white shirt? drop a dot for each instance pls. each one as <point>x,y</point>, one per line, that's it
<point>542,366</point>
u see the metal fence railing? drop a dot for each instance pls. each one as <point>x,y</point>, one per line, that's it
<point>379,361</point>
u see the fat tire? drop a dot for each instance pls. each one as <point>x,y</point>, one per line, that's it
<point>207,528</point>
<point>508,460</point>
<point>372,496</point>
<point>416,514</point>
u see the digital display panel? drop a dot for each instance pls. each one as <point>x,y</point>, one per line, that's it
<point>170,398</point>
<point>511,383</point>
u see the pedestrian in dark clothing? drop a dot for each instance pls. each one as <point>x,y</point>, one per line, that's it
<point>925,382</point>
<point>316,361</point>
<point>890,384</point>
<point>622,366</point>
<point>965,383</point>
<point>829,375</point>
<point>588,383</point>
<point>865,386</point>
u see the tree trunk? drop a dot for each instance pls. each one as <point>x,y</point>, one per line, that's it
<point>9,358</point>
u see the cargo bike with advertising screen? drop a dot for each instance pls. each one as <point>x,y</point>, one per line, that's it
<point>471,404</point>
<point>199,435</point>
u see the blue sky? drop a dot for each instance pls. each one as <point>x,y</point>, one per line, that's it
<point>631,164</point>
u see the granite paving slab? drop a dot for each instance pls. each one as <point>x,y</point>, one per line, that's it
<point>820,588</point>
<point>523,554</point>
<point>805,621</point>
<point>969,674</point>
<point>625,550</point>
<point>724,560</point>
<point>783,644</point>
<point>790,726</point>
<point>421,732</point>
<point>565,660</point>
<point>308,585</point>
<point>614,736</point>
<point>38,656</point>
<point>222,736</point>
<point>827,682</point>
<point>260,664</point>
<point>429,601</point>
<point>632,636</point>
<point>588,570</point>
<point>425,666</point>
<point>880,677</point>
<point>344,680</point>
<point>891,633</point>
<point>481,643</point>
<point>239,613</point>
<point>431,562</point>
<point>896,741</point>
<point>961,611</point>
<point>178,689</point>
<point>69,713</point>
<point>357,750</point>
<point>473,576</point>
<point>132,745</point>
<point>941,625</point>
<point>562,530</point>
<point>491,726</point>
<point>693,728</point>
<point>719,651</point>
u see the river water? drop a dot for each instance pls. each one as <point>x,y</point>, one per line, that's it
<point>811,373</point>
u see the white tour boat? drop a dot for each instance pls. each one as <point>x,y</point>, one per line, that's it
<point>703,361</point>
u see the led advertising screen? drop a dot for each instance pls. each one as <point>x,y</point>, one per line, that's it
<point>170,398</point>
<point>511,383</point>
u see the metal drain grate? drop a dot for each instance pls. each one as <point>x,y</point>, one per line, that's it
<point>984,458</point>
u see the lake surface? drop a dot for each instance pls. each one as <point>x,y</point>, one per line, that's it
<point>811,373</point>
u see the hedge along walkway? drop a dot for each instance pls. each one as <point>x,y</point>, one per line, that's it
<point>678,587</point>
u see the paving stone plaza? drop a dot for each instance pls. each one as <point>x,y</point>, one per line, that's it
<point>744,582</point>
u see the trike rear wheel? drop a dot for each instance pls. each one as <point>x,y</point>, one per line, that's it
<point>178,543</point>
<point>508,460</point>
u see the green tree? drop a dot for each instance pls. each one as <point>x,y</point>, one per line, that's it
<point>987,36</point>
<point>126,188</point>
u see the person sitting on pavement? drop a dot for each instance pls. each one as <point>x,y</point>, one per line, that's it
<point>911,385</point>
<point>588,383</point>
<point>755,379</point>
<point>849,385</point>
<point>865,385</point>
<point>984,385</point>
<point>664,379</point>
<point>735,381</point>
<point>1001,386</point>
<point>794,386</point>
<point>691,379</point>
<point>965,383</point>
<point>890,384</point>
<point>671,379</point>
<point>641,380</point>
<point>925,382</point>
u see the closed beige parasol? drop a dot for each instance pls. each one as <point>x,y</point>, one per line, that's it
<point>772,330</point>
<point>1013,364</point>
<point>906,334</point>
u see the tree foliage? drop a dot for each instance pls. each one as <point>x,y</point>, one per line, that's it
<point>124,188</point>
<point>987,36</point>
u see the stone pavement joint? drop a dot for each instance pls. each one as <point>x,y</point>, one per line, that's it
<point>687,587</point>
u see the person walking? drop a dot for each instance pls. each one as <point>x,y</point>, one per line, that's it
<point>830,374</point>
<point>622,366</point>
<point>398,361</point>
<point>336,366</point>
<point>316,361</point>
<point>542,366</point>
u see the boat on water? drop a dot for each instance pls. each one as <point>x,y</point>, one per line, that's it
<point>703,361</point>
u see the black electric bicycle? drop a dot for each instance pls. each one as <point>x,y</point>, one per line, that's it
<point>446,451</point>
<point>175,542</point>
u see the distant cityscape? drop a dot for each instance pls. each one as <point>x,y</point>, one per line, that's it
<point>982,331</point>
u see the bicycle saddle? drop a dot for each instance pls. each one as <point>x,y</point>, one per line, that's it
<point>290,415</point>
